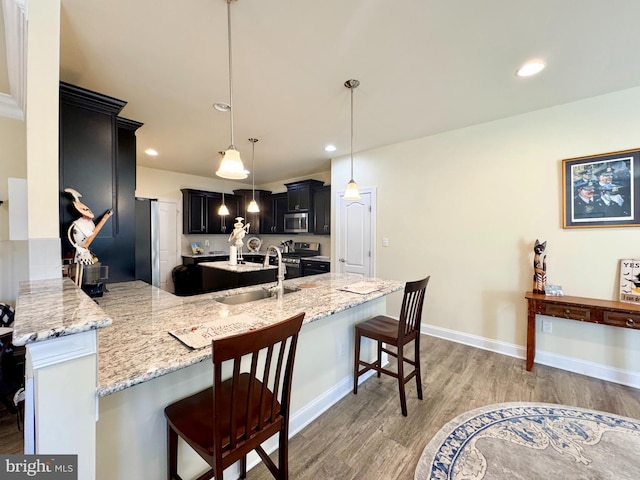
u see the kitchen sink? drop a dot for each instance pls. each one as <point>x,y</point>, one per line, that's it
<point>251,296</point>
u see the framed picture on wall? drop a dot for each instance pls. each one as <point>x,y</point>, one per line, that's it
<point>601,190</point>
<point>630,281</point>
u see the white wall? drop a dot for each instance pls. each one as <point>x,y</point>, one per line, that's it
<point>14,264</point>
<point>467,206</point>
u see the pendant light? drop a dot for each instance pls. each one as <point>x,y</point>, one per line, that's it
<point>351,192</point>
<point>223,210</point>
<point>253,206</point>
<point>231,165</point>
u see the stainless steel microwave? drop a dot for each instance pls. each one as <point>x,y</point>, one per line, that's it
<point>296,222</point>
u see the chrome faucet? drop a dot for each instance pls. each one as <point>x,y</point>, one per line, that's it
<point>279,288</point>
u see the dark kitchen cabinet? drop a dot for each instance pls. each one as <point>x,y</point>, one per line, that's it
<point>299,194</point>
<point>217,223</point>
<point>194,207</point>
<point>314,267</point>
<point>275,207</point>
<point>246,195</point>
<point>200,212</point>
<point>322,210</point>
<point>97,157</point>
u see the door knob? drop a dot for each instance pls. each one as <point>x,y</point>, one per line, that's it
<point>342,260</point>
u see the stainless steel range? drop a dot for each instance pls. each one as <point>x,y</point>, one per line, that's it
<point>292,259</point>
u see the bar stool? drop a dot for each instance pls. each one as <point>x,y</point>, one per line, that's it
<point>225,422</point>
<point>390,331</point>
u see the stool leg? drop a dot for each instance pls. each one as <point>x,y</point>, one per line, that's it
<point>403,397</point>
<point>356,363</point>
<point>416,357</point>
<point>172,453</point>
<point>379,360</point>
<point>243,467</point>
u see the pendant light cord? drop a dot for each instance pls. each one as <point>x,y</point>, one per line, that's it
<point>253,170</point>
<point>351,89</point>
<point>230,70</point>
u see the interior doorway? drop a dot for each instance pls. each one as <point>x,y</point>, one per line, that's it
<point>168,236</point>
<point>355,236</point>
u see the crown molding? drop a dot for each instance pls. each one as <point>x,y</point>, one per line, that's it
<point>15,26</point>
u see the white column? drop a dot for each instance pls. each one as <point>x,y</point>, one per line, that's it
<point>61,400</point>
<point>42,86</point>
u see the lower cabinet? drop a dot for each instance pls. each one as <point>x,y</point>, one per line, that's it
<point>312,267</point>
<point>214,279</point>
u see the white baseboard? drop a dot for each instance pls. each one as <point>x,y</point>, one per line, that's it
<point>590,369</point>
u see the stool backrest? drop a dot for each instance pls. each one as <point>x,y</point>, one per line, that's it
<point>411,311</point>
<point>261,366</point>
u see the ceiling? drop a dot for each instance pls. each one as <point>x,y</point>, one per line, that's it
<point>425,66</point>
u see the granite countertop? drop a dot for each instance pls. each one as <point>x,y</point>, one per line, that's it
<point>207,255</point>
<point>54,308</point>
<point>240,268</point>
<point>318,258</point>
<point>137,346</point>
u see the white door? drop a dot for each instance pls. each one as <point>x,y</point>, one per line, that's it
<point>168,212</point>
<point>355,235</point>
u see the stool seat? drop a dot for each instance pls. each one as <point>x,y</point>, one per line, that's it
<point>192,417</point>
<point>395,333</point>
<point>383,327</point>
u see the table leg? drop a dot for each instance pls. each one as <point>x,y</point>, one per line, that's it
<point>531,336</point>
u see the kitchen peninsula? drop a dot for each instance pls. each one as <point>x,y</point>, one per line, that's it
<point>141,368</point>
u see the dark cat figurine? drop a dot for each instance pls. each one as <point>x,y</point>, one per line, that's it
<point>539,267</point>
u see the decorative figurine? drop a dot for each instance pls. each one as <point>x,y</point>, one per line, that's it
<point>239,232</point>
<point>81,233</point>
<point>539,267</point>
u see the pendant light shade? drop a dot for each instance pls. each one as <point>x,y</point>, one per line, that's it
<point>351,192</point>
<point>231,166</point>
<point>253,206</point>
<point>223,210</point>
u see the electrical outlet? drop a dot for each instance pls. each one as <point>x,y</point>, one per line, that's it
<point>385,242</point>
<point>547,326</point>
<point>342,350</point>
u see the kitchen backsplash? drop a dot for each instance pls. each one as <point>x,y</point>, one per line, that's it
<point>220,243</point>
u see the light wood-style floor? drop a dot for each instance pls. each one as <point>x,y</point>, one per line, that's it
<point>365,436</point>
<point>11,439</point>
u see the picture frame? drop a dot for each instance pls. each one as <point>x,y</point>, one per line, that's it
<point>601,190</point>
<point>630,281</point>
<point>196,248</point>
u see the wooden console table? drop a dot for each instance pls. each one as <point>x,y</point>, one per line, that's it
<point>606,312</point>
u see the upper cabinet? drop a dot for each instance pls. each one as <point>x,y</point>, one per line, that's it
<point>322,210</point>
<point>299,194</point>
<point>255,219</point>
<point>200,211</point>
<point>217,223</point>
<point>97,157</point>
<point>274,207</point>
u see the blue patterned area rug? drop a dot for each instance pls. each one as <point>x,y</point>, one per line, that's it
<point>529,441</point>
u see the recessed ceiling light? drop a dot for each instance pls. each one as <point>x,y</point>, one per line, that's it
<point>330,148</point>
<point>222,107</point>
<point>151,152</point>
<point>530,68</point>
